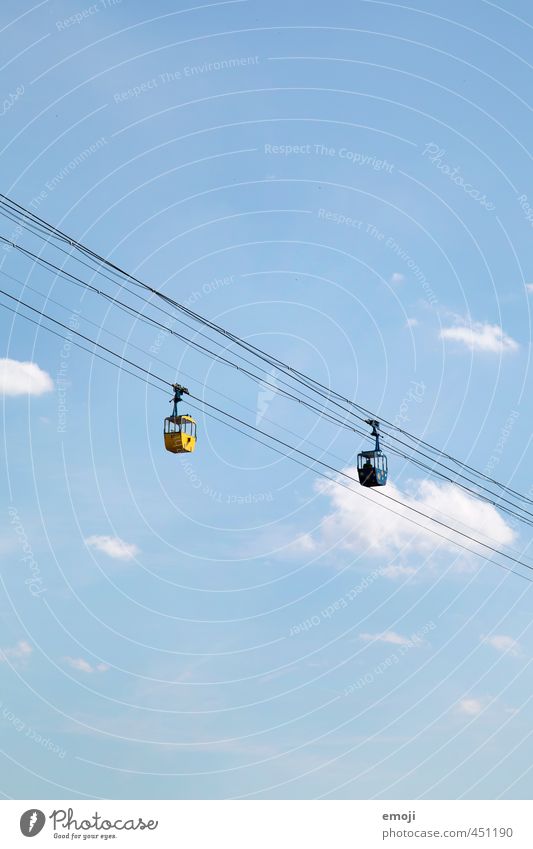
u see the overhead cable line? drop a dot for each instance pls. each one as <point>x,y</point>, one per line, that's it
<point>129,344</point>
<point>338,472</point>
<point>450,475</point>
<point>16,209</point>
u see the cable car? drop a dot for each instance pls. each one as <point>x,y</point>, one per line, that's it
<point>179,431</point>
<point>372,465</point>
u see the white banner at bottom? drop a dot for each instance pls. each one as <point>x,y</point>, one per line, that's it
<point>268,824</point>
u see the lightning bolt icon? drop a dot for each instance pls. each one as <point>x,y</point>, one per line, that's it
<point>265,396</point>
<point>33,820</point>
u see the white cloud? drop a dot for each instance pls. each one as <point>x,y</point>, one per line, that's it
<point>397,277</point>
<point>21,651</point>
<point>411,322</point>
<point>301,544</point>
<point>391,637</point>
<point>359,524</point>
<point>470,707</point>
<point>478,336</point>
<point>113,547</point>
<point>529,287</point>
<point>18,378</point>
<point>82,665</point>
<point>502,643</point>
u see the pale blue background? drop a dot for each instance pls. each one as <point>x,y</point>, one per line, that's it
<point>206,694</point>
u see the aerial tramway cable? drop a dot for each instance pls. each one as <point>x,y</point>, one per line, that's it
<point>149,376</point>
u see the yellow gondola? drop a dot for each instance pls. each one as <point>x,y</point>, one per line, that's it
<point>179,431</point>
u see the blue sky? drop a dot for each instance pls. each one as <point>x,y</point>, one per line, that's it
<point>346,187</point>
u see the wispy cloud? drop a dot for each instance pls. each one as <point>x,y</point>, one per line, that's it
<point>478,336</point>
<point>23,378</point>
<point>502,643</point>
<point>21,651</point>
<point>529,287</point>
<point>411,322</point>
<point>470,707</point>
<point>392,638</point>
<point>397,277</point>
<point>113,547</point>
<point>82,665</point>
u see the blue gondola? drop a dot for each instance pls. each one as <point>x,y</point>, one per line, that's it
<point>372,465</point>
